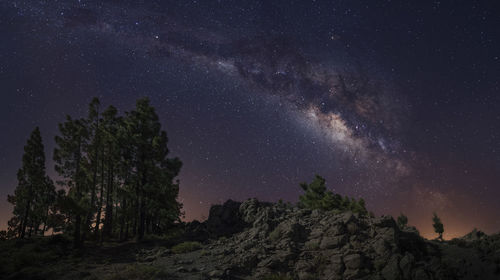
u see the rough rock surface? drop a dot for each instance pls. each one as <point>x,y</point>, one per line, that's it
<point>280,239</point>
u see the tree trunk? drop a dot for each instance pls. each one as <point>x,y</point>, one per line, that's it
<point>93,196</point>
<point>136,209</point>
<point>78,218</point>
<point>142,207</point>
<point>25,219</point>
<point>99,207</point>
<point>142,217</point>
<point>122,218</point>
<point>108,219</point>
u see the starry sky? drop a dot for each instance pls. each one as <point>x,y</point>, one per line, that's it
<point>397,102</point>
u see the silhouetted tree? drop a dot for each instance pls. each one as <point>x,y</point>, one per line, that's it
<point>402,221</point>
<point>91,164</point>
<point>316,196</point>
<point>116,173</point>
<point>68,158</point>
<point>111,127</point>
<point>438,226</point>
<point>153,173</point>
<point>35,191</point>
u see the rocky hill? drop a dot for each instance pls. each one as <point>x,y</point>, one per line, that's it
<point>280,240</point>
<point>256,240</point>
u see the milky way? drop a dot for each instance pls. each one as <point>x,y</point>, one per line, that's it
<point>386,100</point>
<point>360,114</point>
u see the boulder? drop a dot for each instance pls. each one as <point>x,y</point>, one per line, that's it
<point>353,261</point>
<point>391,270</point>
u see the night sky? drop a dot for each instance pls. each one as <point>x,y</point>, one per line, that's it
<point>397,102</point>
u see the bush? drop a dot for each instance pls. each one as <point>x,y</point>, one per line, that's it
<point>316,196</point>
<point>186,247</point>
<point>402,221</point>
<point>28,257</point>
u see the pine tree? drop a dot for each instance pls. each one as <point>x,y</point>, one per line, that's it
<point>153,171</point>
<point>68,158</point>
<point>116,173</point>
<point>92,163</point>
<point>35,191</point>
<point>316,196</point>
<point>315,193</point>
<point>402,221</point>
<point>438,226</point>
<point>111,126</point>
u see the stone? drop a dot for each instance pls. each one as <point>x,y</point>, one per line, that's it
<point>420,274</point>
<point>334,267</point>
<point>304,275</point>
<point>353,261</point>
<point>332,242</point>
<point>181,269</point>
<point>380,247</point>
<point>384,221</point>
<point>347,217</point>
<point>391,270</point>
<point>216,273</point>
<point>406,265</point>
<point>352,228</point>
<point>352,274</point>
<point>150,258</point>
<point>337,229</point>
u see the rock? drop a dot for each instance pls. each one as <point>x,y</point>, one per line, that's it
<point>380,247</point>
<point>304,275</point>
<point>335,267</point>
<point>312,244</point>
<point>165,253</point>
<point>224,220</point>
<point>352,228</point>
<point>293,230</point>
<point>384,221</point>
<point>185,262</point>
<point>347,217</point>
<point>351,274</point>
<point>353,261</point>
<point>216,273</point>
<point>420,274</point>
<point>391,270</point>
<point>332,242</point>
<point>316,233</point>
<point>337,229</point>
<point>406,265</point>
<point>181,269</point>
<point>389,234</point>
<point>316,245</point>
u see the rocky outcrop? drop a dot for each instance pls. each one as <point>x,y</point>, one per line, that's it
<point>272,239</point>
<point>223,220</point>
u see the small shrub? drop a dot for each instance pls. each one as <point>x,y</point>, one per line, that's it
<point>402,221</point>
<point>186,247</point>
<point>223,239</point>
<point>205,253</point>
<point>316,196</point>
